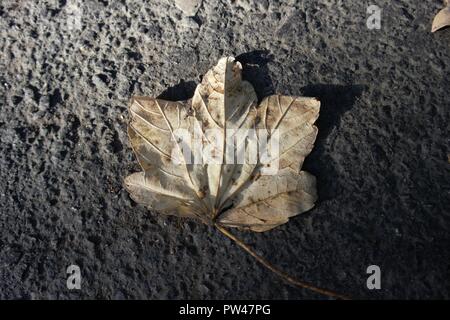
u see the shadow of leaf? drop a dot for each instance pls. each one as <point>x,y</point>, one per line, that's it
<point>179,92</point>
<point>255,71</point>
<point>335,101</point>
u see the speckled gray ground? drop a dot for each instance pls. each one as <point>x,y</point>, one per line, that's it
<point>380,158</point>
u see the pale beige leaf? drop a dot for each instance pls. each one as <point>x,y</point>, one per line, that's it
<point>442,19</point>
<point>229,194</point>
<point>294,117</point>
<point>269,201</point>
<point>157,193</point>
<point>223,101</point>
<point>151,133</point>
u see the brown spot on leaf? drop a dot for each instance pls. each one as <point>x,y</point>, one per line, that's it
<point>255,177</point>
<point>202,192</point>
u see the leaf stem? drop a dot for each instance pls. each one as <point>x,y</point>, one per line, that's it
<point>282,274</point>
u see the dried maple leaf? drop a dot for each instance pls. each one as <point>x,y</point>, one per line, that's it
<point>442,19</point>
<point>235,195</point>
<point>221,193</point>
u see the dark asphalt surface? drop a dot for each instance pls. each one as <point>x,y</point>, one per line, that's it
<point>381,158</point>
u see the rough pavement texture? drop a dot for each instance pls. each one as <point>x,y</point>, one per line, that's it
<point>381,158</point>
